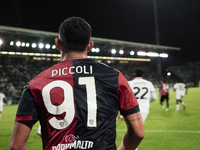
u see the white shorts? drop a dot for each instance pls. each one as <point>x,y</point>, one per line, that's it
<point>144,115</point>
<point>179,96</point>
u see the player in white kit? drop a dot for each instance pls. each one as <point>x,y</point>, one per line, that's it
<point>144,92</point>
<point>181,89</point>
<point>2,99</point>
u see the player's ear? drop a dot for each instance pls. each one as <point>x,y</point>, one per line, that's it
<point>58,43</point>
<point>90,45</point>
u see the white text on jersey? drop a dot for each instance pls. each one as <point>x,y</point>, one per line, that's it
<point>72,70</point>
<point>74,143</point>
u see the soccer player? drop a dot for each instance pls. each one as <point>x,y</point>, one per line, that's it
<point>180,89</point>
<point>2,100</point>
<point>77,100</point>
<point>144,92</point>
<point>164,92</point>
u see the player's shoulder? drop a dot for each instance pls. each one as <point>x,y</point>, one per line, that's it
<point>146,81</point>
<point>179,84</point>
<point>2,94</point>
<point>99,65</point>
<point>176,84</point>
<point>183,84</point>
<point>139,80</point>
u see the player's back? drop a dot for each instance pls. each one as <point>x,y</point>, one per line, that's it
<point>77,101</point>
<point>164,88</point>
<point>180,88</point>
<point>142,89</point>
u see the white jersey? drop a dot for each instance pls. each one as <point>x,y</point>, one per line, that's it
<point>143,91</point>
<point>2,96</point>
<point>180,90</point>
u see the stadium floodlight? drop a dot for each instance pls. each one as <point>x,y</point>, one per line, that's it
<point>108,61</point>
<point>113,51</point>
<point>27,44</point>
<point>1,42</point>
<point>4,52</point>
<point>11,43</point>
<point>34,45</point>
<point>53,47</point>
<point>121,51</point>
<point>41,45</point>
<point>37,54</point>
<point>164,55</point>
<point>48,54</point>
<point>152,54</point>
<point>25,53</point>
<point>18,53</point>
<point>132,52</point>
<point>140,53</point>
<point>168,73</point>
<point>23,44</point>
<point>11,53</point>
<point>31,54</point>
<point>95,50</point>
<point>47,46</point>
<point>18,43</point>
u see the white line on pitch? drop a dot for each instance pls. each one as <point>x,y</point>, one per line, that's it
<point>175,131</point>
<point>161,131</point>
<point>167,131</point>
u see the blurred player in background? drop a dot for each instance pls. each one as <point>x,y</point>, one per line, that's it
<point>3,100</point>
<point>77,100</point>
<point>164,93</point>
<point>144,92</point>
<point>180,89</point>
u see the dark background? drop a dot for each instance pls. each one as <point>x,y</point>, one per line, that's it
<point>127,20</point>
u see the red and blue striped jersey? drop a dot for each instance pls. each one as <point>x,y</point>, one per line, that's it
<point>77,103</point>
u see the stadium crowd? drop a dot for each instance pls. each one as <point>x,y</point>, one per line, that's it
<point>17,71</point>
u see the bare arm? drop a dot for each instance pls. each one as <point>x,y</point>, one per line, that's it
<point>186,90</point>
<point>134,134</point>
<point>20,135</point>
<point>6,101</point>
<point>153,96</point>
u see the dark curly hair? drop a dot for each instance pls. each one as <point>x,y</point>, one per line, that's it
<point>75,33</point>
<point>138,72</point>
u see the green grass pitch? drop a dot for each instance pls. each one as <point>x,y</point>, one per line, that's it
<point>163,130</point>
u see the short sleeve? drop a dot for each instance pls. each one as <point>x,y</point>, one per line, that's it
<point>27,109</point>
<point>127,101</point>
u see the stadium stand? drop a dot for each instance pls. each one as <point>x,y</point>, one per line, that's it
<point>189,73</point>
<point>17,71</point>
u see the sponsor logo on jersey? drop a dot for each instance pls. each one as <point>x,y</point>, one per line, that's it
<point>72,70</point>
<point>73,142</point>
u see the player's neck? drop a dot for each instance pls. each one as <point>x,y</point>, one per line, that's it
<point>73,55</point>
<point>138,78</point>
